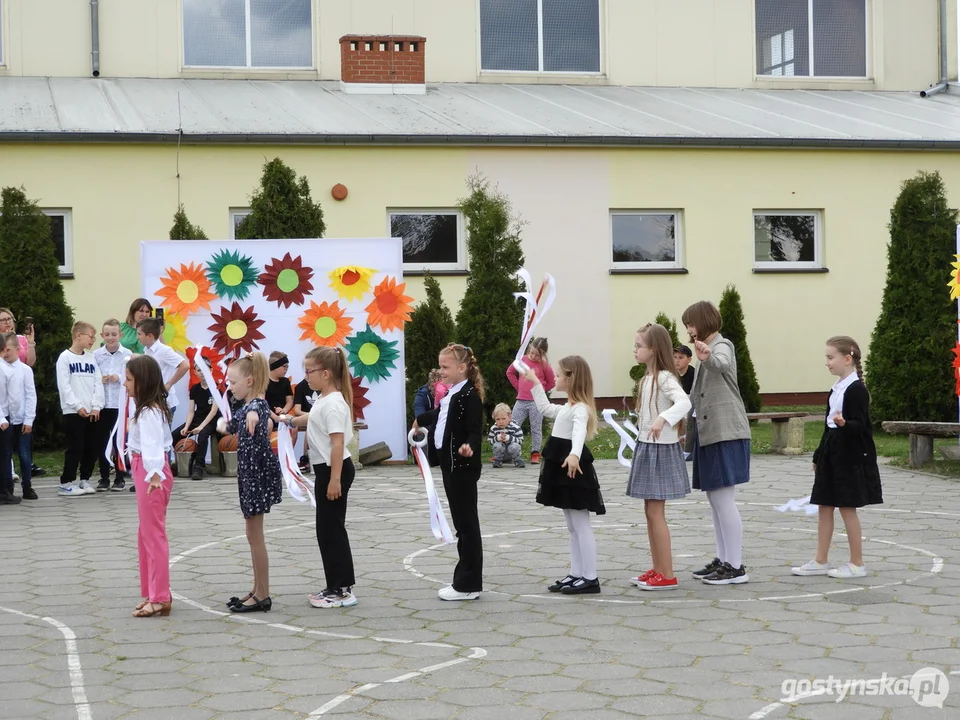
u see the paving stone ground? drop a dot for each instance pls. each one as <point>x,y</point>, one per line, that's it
<point>68,568</point>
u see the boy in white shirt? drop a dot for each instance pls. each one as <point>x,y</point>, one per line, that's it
<point>22,412</point>
<point>80,384</point>
<point>112,360</point>
<point>172,366</point>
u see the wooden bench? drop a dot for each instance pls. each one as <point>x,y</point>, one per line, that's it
<point>788,431</point>
<point>921,437</point>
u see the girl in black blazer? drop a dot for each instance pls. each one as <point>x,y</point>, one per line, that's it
<point>455,431</point>
<point>846,475</point>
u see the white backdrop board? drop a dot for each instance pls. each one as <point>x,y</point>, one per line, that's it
<point>290,296</point>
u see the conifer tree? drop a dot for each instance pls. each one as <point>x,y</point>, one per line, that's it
<point>637,371</point>
<point>429,330</point>
<point>909,367</point>
<point>281,207</point>
<point>28,252</point>
<point>183,229</point>
<point>735,330</point>
<point>490,317</point>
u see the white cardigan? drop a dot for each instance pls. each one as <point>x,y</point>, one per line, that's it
<point>569,421</point>
<point>672,405</point>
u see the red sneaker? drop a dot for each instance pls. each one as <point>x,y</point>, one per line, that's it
<point>534,458</point>
<point>659,582</point>
<point>642,579</point>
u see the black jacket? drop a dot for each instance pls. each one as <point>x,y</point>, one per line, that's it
<point>464,427</point>
<point>856,446</point>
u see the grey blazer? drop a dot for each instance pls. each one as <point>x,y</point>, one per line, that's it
<point>716,396</point>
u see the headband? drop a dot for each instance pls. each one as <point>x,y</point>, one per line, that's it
<point>279,363</point>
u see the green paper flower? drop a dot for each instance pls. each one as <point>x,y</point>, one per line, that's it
<point>232,274</point>
<point>371,356</point>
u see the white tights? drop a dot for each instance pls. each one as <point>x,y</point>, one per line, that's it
<point>583,548</point>
<point>727,527</point>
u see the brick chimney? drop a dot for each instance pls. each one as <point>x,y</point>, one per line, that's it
<point>382,64</point>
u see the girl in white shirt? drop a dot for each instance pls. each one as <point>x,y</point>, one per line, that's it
<point>658,471</point>
<point>149,443</point>
<point>329,431</point>
<point>567,477</point>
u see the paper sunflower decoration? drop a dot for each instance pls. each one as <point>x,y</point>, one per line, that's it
<point>232,274</point>
<point>236,330</point>
<point>370,356</point>
<point>324,324</point>
<point>351,282</point>
<point>175,332</point>
<point>359,398</point>
<point>185,290</point>
<point>286,281</point>
<point>390,308</point>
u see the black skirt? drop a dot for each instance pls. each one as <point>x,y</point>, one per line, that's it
<point>841,483</point>
<point>556,489</point>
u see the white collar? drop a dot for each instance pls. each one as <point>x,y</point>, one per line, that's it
<point>843,384</point>
<point>456,388</point>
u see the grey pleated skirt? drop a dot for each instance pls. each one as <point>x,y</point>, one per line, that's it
<point>658,472</point>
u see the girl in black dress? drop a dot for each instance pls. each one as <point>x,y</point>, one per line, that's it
<point>845,469</point>
<point>258,469</point>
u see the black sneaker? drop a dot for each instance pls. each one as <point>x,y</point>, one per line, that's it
<point>559,585</point>
<point>103,485</point>
<point>498,463</point>
<point>197,473</point>
<point>133,487</point>
<point>519,463</point>
<point>37,471</point>
<point>9,499</point>
<point>117,486</point>
<point>582,586</point>
<point>30,494</point>
<point>726,574</point>
<point>710,568</point>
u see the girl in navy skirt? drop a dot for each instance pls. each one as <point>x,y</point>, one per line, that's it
<point>721,449</point>
<point>845,469</point>
<point>567,477</point>
<point>658,471</point>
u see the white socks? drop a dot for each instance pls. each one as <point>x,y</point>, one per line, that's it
<point>727,526</point>
<point>583,547</point>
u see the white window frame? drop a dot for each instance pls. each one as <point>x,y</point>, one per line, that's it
<point>541,71</point>
<point>817,262</point>
<point>249,65</point>
<point>3,37</point>
<point>460,264</point>
<point>236,215</point>
<point>652,265</point>
<point>868,56</point>
<point>67,268</point>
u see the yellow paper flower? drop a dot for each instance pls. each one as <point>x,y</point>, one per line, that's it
<point>175,332</point>
<point>351,282</point>
<point>185,291</point>
<point>954,283</point>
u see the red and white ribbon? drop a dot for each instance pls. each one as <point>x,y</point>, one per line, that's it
<point>298,485</point>
<point>626,442</point>
<point>438,521</point>
<point>212,386</point>
<point>118,433</point>
<point>533,313</point>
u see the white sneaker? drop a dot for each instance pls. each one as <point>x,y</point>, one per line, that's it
<point>16,478</point>
<point>448,593</point>
<point>811,568</point>
<point>333,600</point>
<point>848,570</point>
<point>87,487</point>
<point>71,490</point>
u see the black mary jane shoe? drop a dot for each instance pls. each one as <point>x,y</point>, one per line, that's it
<point>258,606</point>
<point>238,600</point>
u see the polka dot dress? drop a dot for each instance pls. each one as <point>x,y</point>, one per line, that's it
<point>258,469</point>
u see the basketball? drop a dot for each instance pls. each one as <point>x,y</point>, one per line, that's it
<point>187,445</point>
<point>228,443</point>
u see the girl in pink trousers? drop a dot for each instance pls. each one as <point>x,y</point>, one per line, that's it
<point>149,444</point>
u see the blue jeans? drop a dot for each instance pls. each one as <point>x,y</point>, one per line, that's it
<point>22,446</point>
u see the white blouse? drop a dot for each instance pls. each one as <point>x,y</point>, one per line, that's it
<point>150,436</point>
<point>836,398</point>
<point>569,421</point>
<point>672,405</point>
<point>444,411</point>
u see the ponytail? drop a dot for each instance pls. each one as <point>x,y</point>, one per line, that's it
<point>463,354</point>
<point>254,365</point>
<point>334,360</point>
<point>345,380</point>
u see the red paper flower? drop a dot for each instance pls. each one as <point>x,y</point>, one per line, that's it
<point>236,330</point>
<point>359,397</point>
<point>286,281</point>
<point>216,366</point>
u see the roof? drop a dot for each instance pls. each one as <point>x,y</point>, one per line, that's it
<point>317,112</point>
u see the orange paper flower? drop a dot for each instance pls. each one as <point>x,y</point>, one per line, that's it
<point>324,324</point>
<point>351,282</point>
<point>185,291</point>
<point>390,308</point>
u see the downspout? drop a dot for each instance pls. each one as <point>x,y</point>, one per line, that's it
<point>942,85</point>
<point>95,36</point>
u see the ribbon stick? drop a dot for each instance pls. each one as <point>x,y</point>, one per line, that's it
<point>300,487</point>
<point>118,433</point>
<point>532,312</point>
<point>626,442</point>
<point>212,386</point>
<point>438,521</point>
<point>799,504</point>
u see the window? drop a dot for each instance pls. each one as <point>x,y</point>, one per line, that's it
<point>540,35</point>
<point>62,240</point>
<point>432,239</point>
<point>784,240</point>
<point>645,240</point>
<point>1,32</point>
<point>236,217</point>
<point>813,38</point>
<point>247,33</point>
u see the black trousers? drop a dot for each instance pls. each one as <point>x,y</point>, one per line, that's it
<point>81,449</point>
<point>332,528</point>
<point>461,488</point>
<point>202,439</point>
<point>108,418</point>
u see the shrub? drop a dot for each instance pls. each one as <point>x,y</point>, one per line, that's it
<point>281,207</point>
<point>735,331</point>
<point>183,229</point>
<point>430,329</point>
<point>637,371</point>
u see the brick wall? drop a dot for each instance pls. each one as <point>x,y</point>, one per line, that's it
<point>393,59</point>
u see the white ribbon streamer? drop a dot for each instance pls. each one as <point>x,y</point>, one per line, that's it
<point>626,442</point>
<point>799,504</point>
<point>531,315</point>
<point>119,432</point>
<point>299,486</point>
<point>438,521</point>
<point>211,385</point>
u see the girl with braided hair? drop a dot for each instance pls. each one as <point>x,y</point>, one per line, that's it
<point>845,469</point>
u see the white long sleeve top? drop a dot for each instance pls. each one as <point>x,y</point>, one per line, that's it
<point>21,395</point>
<point>150,436</point>
<point>80,382</point>
<point>569,421</point>
<point>112,363</point>
<point>672,404</point>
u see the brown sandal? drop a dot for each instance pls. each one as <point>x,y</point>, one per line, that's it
<point>150,609</point>
<point>142,605</point>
